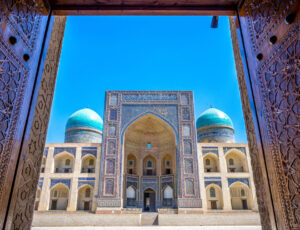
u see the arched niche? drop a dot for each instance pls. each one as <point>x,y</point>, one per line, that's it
<point>149,135</point>
<point>85,198</point>
<point>88,163</point>
<point>211,163</point>
<point>59,197</point>
<point>167,165</point>
<point>63,163</point>
<point>241,197</point>
<point>236,161</point>
<point>131,195</point>
<point>214,197</point>
<point>168,195</point>
<point>149,166</point>
<point>131,164</point>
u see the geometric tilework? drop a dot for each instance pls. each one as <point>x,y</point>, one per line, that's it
<point>242,180</point>
<point>242,149</point>
<point>58,150</point>
<point>209,149</point>
<point>86,178</point>
<point>89,150</point>
<point>81,183</point>
<point>213,182</point>
<point>212,178</point>
<point>66,182</point>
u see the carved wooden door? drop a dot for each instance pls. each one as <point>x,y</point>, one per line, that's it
<point>22,31</point>
<point>27,80</point>
<point>270,32</point>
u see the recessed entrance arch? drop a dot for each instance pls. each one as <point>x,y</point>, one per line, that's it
<point>149,204</point>
<point>150,152</point>
<point>266,120</point>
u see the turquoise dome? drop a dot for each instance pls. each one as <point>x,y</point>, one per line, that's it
<point>85,118</point>
<point>213,117</point>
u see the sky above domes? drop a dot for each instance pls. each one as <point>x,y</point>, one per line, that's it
<point>102,53</point>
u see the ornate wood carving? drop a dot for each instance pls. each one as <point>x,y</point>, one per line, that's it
<point>21,208</point>
<point>22,28</point>
<point>257,159</point>
<point>271,34</point>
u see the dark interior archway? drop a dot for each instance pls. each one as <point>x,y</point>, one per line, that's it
<point>149,200</point>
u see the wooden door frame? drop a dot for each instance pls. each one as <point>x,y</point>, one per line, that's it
<point>32,121</point>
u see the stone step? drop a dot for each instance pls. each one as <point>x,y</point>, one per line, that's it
<point>149,218</point>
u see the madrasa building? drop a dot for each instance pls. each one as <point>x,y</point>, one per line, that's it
<point>149,162</point>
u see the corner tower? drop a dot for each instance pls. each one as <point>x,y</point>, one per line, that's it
<point>149,158</point>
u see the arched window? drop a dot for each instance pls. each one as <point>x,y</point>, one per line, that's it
<point>130,192</point>
<point>168,164</point>
<point>207,161</point>
<point>67,162</point>
<point>91,162</point>
<point>212,192</point>
<point>231,162</point>
<point>168,193</point>
<point>88,192</point>
<point>243,192</point>
<point>149,164</point>
<point>55,193</point>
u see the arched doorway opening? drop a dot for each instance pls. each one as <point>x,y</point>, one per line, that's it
<point>149,200</point>
<point>88,164</point>
<point>85,198</point>
<point>63,163</point>
<point>214,197</point>
<point>236,161</point>
<point>211,163</point>
<point>241,197</point>
<point>59,196</point>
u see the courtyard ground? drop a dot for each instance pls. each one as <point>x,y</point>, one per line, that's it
<point>154,228</point>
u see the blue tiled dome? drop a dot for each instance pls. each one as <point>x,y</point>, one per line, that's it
<point>85,118</point>
<point>213,117</point>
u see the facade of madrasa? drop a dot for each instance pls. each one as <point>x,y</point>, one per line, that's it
<point>147,157</point>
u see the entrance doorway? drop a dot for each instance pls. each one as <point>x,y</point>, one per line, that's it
<point>86,205</point>
<point>245,205</point>
<point>149,200</point>
<point>213,204</point>
<point>54,205</point>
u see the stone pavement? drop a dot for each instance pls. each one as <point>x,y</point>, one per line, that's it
<point>154,228</point>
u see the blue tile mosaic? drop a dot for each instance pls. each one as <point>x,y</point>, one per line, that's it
<point>66,182</point>
<point>242,180</point>
<point>71,150</point>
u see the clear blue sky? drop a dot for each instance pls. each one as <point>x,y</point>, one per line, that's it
<point>145,53</point>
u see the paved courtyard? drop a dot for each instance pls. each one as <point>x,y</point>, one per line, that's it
<point>155,228</point>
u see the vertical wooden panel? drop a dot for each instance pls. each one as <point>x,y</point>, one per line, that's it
<point>271,37</point>
<point>22,31</point>
<point>22,202</point>
<point>260,175</point>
